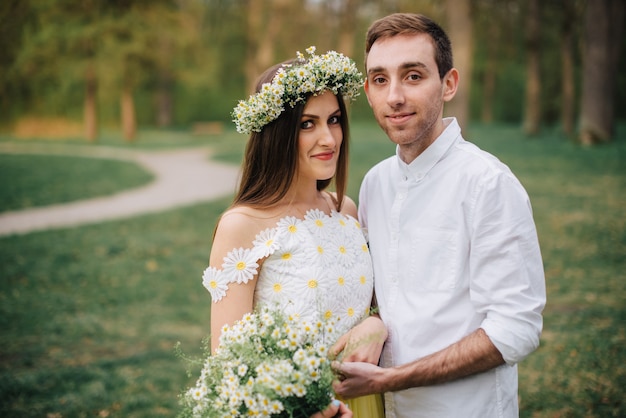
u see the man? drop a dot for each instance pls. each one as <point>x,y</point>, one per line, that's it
<point>457,267</point>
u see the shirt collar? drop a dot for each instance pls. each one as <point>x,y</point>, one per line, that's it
<point>419,167</point>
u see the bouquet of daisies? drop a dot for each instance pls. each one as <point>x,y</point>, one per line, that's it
<point>267,364</point>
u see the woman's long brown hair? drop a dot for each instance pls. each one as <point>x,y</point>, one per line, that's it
<point>271,156</point>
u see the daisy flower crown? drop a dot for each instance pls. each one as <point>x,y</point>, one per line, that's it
<point>293,83</point>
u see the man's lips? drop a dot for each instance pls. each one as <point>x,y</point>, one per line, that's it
<point>399,118</point>
<point>325,156</point>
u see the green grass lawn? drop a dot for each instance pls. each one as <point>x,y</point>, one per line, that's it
<point>90,316</point>
<point>39,180</point>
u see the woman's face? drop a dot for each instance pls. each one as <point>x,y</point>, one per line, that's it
<point>320,137</point>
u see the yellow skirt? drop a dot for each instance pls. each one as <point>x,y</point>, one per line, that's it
<point>369,406</point>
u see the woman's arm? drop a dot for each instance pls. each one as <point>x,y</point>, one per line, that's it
<point>235,230</point>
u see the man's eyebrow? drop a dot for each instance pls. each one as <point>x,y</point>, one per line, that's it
<point>405,66</point>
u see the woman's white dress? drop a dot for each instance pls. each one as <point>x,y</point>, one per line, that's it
<point>316,267</point>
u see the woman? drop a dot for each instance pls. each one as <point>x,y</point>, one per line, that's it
<point>285,239</point>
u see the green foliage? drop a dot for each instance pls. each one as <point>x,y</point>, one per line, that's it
<point>197,51</point>
<point>90,316</point>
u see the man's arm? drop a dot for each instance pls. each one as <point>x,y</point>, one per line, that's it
<point>473,354</point>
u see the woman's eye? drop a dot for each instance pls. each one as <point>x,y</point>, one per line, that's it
<point>334,120</point>
<point>306,124</point>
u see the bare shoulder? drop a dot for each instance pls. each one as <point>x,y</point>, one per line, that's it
<point>237,228</point>
<point>243,223</point>
<point>348,207</point>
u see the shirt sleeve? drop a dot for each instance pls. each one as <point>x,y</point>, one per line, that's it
<point>362,209</point>
<point>507,280</point>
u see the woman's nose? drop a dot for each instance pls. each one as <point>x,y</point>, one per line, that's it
<point>326,136</point>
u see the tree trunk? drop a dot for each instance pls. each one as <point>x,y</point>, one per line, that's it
<point>164,100</point>
<point>90,112</point>
<point>129,122</point>
<point>567,67</point>
<point>255,20</point>
<point>347,27</point>
<point>532,112</point>
<point>459,19</point>
<point>262,36</point>
<point>603,26</point>
<point>490,76</point>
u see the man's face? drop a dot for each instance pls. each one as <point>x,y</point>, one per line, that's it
<point>404,89</point>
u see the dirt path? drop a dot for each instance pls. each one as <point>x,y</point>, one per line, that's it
<point>182,177</point>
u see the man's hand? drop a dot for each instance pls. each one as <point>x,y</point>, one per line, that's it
<point>358,379</point>
<point>363,343</point>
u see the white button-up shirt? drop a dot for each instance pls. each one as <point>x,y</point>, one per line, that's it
<point>454,249</point>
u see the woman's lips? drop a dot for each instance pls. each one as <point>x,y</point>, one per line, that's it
<point>324,156</point>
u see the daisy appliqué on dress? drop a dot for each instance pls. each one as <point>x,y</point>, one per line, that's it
<point>314,267</point>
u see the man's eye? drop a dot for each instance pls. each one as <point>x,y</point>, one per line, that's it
<point>415,77</point>
<point>378,80</point>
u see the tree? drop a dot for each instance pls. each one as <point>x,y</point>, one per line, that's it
<point>567,66</point>
<point>347,27</point>
<point>14,16</point>
<point>603,27</point>
<point>265,20</point>
<point>59,48</point>
<point>532,112</point>
<point>460,30</point>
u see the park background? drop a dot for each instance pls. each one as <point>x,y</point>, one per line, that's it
<point>90,315</point>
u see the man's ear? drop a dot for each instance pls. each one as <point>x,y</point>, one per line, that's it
<point>366,87</point>
<point>450,84</point>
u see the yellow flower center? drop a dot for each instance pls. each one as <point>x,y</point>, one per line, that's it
<point>364,248</point>
<point>362,279</point>
<point>277,287</point>
<point>342,249</point>
<point>319,223</point>
<point>342,223</point>
<point>269,242</point>
<point>341,281</point>
<point>328,314</point>
<point>241,265</point>
<point>286,256</point>
<point>213,284</point>
<point>351,312</point>
<point>320,249</point>
<point>292,228</point>
<point>312,283</point>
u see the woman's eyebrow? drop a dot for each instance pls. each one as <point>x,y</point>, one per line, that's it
<point>308,115</point>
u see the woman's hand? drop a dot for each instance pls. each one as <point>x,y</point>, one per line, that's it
<point>363,343</point>
<point>335,409</point>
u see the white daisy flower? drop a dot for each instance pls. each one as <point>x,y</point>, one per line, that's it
<point>215,282</point>
<point>290,231</point>
<point>345,251</point>
<point>240,264</point>
<point>273,288</point>
<point>266,242</point>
